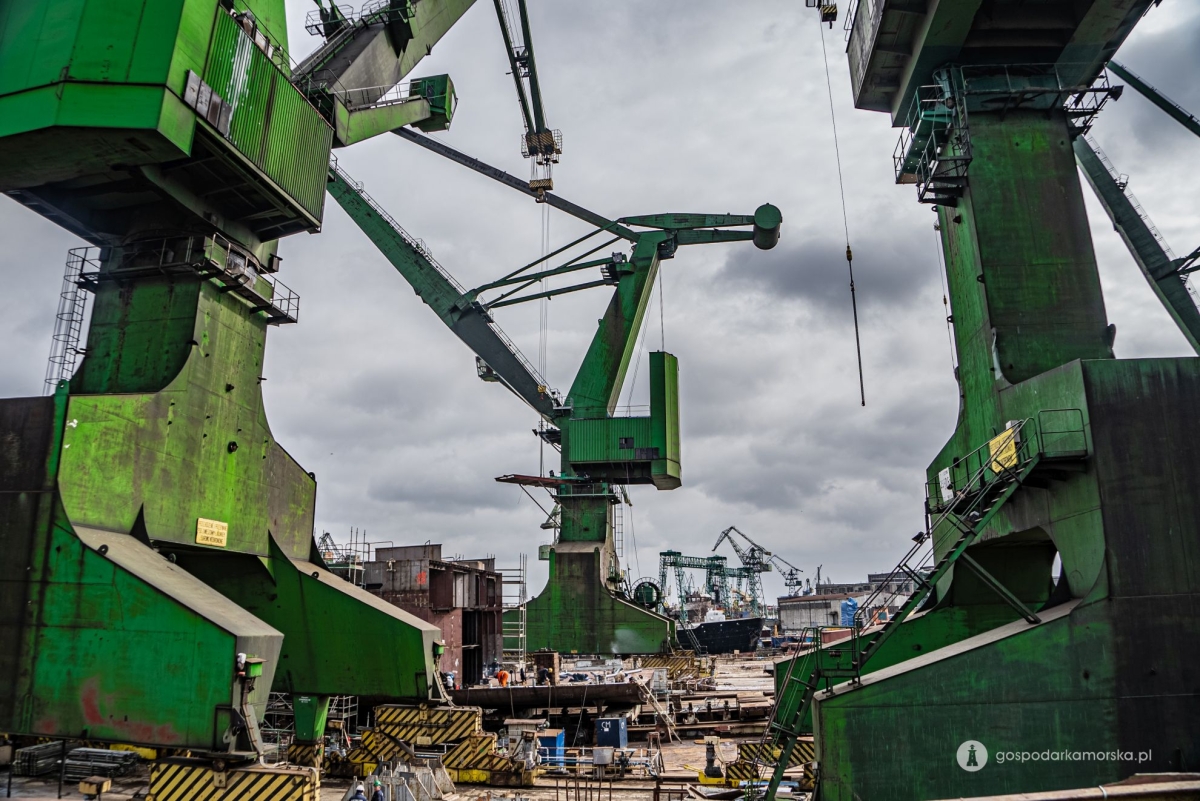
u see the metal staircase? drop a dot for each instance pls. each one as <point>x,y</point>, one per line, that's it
<point>687,638</point>
<point>994,473</point>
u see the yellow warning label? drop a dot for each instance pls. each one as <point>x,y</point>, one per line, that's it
<point>1003,451</point>
<point>211,532</point>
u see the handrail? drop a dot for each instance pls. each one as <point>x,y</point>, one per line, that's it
<point>416,244</point>
<point>1027,446</point>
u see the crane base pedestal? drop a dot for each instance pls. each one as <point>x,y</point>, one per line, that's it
<point>578,613</point>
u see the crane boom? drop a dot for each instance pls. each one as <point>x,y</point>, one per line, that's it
<point>1166,274</point>
<point>512,182</point>
<point>438,289</point>
<point>540,143</point>
<point>1176,111</point>
<point>760,556</point>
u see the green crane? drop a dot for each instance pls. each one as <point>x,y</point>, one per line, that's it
<point>582,608</point>
<point>756,561</point>
<point>161,576</point>
<point>761,561</point>
<point>716,576</point>
<point>1060,451</point>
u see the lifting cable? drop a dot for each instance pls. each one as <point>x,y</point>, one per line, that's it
<point>845,217</point>
<point>662,326</point>
<point>937,241</point>
<point>632,536</point>
<point>543,334</point>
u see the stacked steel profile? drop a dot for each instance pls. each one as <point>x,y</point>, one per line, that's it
<point>159,574</point>
<point>1060,448</point>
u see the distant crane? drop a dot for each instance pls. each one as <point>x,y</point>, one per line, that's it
<point>758,560</point>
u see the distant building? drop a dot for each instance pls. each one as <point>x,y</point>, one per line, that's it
<point>463,598</point>
<point>823,607</point>
<point>803,611</point>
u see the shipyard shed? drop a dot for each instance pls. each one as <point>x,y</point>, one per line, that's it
<point>806,611</point>
<point>462,597</point>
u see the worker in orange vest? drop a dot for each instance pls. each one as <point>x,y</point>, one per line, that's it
<point>502,677</point>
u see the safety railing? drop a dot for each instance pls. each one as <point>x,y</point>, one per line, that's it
<point>934,147</point>
<point>376,96</point>
<point>1052,433</point>
<point>1062,433</point>
<point>968,473</point>
<point>997,460</point>
<point>416,244</point>
<point>1122,182</point>
<point>567,760</point>
<point>594,412</point>
<point>318,19</point>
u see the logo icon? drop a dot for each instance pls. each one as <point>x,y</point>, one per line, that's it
<point>972,756</point>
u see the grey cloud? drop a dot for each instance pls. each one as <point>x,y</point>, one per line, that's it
<point>812,267</point>
<point>676,105</point>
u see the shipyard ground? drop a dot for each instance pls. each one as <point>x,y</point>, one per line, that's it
<point>682,760</point>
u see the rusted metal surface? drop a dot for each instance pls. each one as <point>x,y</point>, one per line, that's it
<point>548,695</point>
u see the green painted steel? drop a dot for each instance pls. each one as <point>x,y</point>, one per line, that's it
<point>156,530</point>
<point>607,440</point>
<point>1097,670</point>
<point>310,713</point>
<point>1160,270</point>
<point>664,417</point>
<point>1173,109</point>
<point>192,433</point>
<point>438,91</point>
<point>338,639</point>
<point>272,123</point>
<point>579,612</point>
<point>112,640</point>
<point>633,448</point>
<point>355,126</point>
<point>68,105</point>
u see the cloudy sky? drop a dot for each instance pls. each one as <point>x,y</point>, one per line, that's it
<point>673,105</point>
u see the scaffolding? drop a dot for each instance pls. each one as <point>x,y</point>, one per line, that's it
<point>348,560</point>
<point>514,594</point>
<point>618,525</point>
<point>278,725</point>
